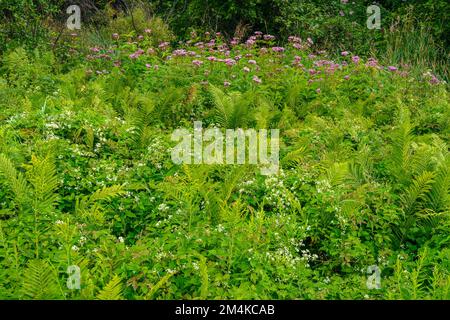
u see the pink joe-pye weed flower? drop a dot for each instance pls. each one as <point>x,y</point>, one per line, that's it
<point>392,68</point>
<point>251,61</point>
<point>226,83</point>
<point>163,45</point>
<point>268,37</point>
<point>300,46</point>
<point>234,42</point>
<point>294,39</point>
<point>246,69</point>
<point>347,77</point>
<point>277,49</point>
<point>250,42</point>
<point>197,63</point>
<point>115,36</point>
<point>148,30</point>
<point>356,59</point>
<point>318,90</point>
<point>230,62</point>
<point>344,53</point>
<point>434,80</point>
<point>256,79</point>
<point>180,52</point>
<point>372,62</point>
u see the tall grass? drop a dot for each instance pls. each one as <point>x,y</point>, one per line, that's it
<point>410,42</point>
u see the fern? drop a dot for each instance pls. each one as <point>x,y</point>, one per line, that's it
<point>439,195</point>
<point>412,202</point>
<point>112,291</point>
<point>204,278</point>
<point>90,205</point>
<point>141,114</point>
<point>159,284</point>
<point>417,192</point>
<point>295,157</point>
<point>231,111</point>
<point>40,281</point>
<point>44,180</point>
<point>401,152</point>
<point>16,180</point>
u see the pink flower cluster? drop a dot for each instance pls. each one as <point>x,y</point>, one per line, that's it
<point>137,54</point>
<point>277,49</point>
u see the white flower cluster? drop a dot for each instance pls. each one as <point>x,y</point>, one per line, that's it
<point>16,118</point>
<point>308,257</point>
<point>283,256</point>
<point>82,241</point>
<point>163,207</point>
<point>244,185</point>
<point>323,186</point>
<point>276,192</point>
<point>156,152</point>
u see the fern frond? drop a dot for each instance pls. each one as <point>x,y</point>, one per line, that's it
<point>40,282</point>
<point>42,176</point>
<point>204,278</point>
<point>107,193</point>
<point>90,206</point>
<point>416,192</point>
<point>294,158</point>
<point>401,152</point>
<point>112,291</point>
<point>439,195</point>
<point>337,172</point>
<point>16,180</point>
<point>231,111</point>
<point>159,284</point>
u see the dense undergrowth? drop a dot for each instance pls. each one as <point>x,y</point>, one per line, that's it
<point>87,180</point>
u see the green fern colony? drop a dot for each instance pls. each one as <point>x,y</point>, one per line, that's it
<point>88,184</point>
